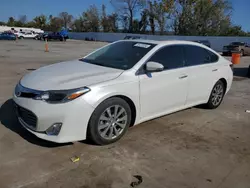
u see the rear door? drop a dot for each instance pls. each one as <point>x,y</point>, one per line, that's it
<point>202,70</point>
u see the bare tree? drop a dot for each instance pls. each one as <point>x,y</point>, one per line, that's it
<point>66,19</point>
<point>151,18</point>
<point>143,24</point>
<point>127,9</point>
<point>113,22</point>
<point>159,13</point>
<point>104,20</point>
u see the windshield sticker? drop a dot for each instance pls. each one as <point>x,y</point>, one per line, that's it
<point>141,45</point>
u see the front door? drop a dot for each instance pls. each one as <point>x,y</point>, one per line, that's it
<point>166,91</point>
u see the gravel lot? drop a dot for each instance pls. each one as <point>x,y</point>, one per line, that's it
<point>194,148</point>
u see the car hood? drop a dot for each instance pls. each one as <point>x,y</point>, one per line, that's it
<point>68,75</point>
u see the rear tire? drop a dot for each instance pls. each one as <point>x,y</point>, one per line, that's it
<point>217,95</point>
<point>109,122</point>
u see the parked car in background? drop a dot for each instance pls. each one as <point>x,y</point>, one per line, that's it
<point>40,36</point>
<point>120,85</point>
<point>7,36</point>
<point>26,35</point>
<point>204,42</point>
<point>240,47</point>
<point>55,36</point>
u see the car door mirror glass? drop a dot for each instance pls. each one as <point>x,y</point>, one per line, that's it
<point>152,66</point>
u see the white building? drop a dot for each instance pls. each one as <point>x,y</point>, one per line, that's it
<point>25,29</point>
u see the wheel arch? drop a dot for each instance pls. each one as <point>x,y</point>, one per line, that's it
<point>224,81</point>
<point>131,103</point>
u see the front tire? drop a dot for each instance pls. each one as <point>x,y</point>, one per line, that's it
<point>217,95</point>
<point>109,122</point>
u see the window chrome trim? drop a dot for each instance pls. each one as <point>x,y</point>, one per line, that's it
<point>141,70</point>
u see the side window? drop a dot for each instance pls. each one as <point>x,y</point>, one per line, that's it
<point>195,55</point>
<point>212,56</point>
<point>170,57</point>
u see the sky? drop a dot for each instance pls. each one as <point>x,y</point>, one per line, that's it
<point>32,8</point>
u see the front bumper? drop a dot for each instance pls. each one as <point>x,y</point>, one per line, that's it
<point>73,115</point>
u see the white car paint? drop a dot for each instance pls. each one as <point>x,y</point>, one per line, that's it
<point>26,35</point>
<point>78,74</point>
<point>153,95</point>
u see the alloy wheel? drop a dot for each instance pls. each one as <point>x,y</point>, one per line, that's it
<point>217,94</point>
<point>112,122</point>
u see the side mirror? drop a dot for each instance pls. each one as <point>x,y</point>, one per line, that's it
<point>154,67</point>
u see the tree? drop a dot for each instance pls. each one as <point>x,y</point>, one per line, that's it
<point>2,23</point>
<point>199,17</point>
<point>78,25</point>
<point>30,24</point>
<point>40,21</point>
<point>151,18</point>
<point>161,11</point>
<point>139,26</point>
<point>90,19</point>
<point>113,22</point>
<point>66,19</point>
<point>104,20</point>
<point>125,23</point>
<point>136,27</point>
<point>127,9</point>
<point>55,23</point>
<point>11,22</point>
<point>143,24</point>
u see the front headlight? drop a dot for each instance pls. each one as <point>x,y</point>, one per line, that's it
<point>61,96</point>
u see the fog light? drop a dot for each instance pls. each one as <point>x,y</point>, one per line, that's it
<point>54,129</point>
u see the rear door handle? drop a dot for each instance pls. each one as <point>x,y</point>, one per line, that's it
<point>214,70</point>
<point>182,77</point>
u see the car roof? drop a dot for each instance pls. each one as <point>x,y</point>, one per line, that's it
<point>166,42</point>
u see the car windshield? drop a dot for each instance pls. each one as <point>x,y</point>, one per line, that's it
<point>237,43</point>
<point>121,55</point>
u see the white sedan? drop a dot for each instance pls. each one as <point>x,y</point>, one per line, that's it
<point>120,85</point>
<point>26,35</point>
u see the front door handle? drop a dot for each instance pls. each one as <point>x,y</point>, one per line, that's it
<point>214,70</point>
<point>182,77</point>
